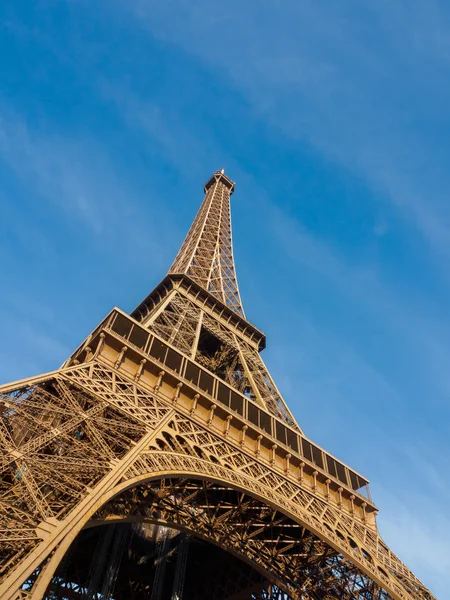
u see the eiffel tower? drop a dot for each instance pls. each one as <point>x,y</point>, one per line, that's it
<point>161,461</point>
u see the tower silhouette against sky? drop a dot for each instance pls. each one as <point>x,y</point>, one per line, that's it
<point>160,461</point>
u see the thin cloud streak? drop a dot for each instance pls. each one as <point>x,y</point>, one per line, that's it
<point>52,166</point>
<point>404,317</point>
<point>78,177</point>
<point>335,86</point>
<point>182,149</point>
<point>30,350</point>
<point>418,540</point>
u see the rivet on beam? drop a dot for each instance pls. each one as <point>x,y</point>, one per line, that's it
<point>243,432</point>
<point>340,490</point>
<point>288,458</point>
<point>274,453</point>
<point>100,344</point>
<point>327,482</point>
<point>227,426</point>
<point>211,413</point>
<point>258,445</point>
<point>315,480</point>
<point>159,382</point>
<point>120,357</point>
<point>300,474</point>
<point>194,403</point>
<point>140,369</point>
<point>177,393</point>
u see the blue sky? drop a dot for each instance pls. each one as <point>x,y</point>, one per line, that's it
<point>333,118</point>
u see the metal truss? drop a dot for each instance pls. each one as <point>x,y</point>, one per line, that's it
<point>177,323</point>
<point>170,418</point>
<point>185,326</point>
<point>103,448</point>
<point>284,551</point>
<point>162,570</point>
<point>206,255</point>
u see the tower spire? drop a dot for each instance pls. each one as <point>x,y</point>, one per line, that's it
<point>206,255</point>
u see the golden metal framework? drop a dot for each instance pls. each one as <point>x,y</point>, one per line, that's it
<point>168,416</point>
<point>206,255</point>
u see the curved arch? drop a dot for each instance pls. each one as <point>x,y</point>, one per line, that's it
<point>176,465</point>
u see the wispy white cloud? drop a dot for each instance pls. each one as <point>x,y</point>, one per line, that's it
<point>409,318</point>
<point>76,174</point>
<point>418,529</point>
<point>30,349</point>
<point>178,144</point>
<point>53,166</point>
<point>350,81</point>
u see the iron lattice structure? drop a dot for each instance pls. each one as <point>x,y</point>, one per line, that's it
<point>167,420</point>
<point>206,255</point>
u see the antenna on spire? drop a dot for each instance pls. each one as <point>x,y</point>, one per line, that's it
<point>220,176</point>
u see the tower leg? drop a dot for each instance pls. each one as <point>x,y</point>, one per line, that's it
<point>161,562</point>
<point>180,569</point>
<point>99,562</point>
<point>119,542</point>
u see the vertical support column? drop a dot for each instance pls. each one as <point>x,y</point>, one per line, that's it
<point>97,570</point>
<point>161,563</point>
<point>180,569</point>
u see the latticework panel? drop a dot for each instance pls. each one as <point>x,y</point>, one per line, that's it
<point>177,323</point>
<point>60,436</point>
<point>143,561</point>
<point>181,323</point>
<point>270,395</point>
<point>87,439</point>
<point>285,552</point>
<point>241,365</point>
<point>225,462</point>
<point>206,255</point>
<point>272,593</point>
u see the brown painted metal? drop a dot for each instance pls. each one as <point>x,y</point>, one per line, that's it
<point>169,416</point>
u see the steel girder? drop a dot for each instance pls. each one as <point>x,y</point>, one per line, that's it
<point>94,442</point>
